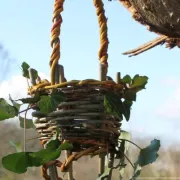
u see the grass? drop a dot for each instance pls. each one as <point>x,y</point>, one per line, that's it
<point>165,168</point>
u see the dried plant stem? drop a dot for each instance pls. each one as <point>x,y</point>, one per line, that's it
<point>147,46</point>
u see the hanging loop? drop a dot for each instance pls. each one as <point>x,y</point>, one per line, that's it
<point>55,32</point>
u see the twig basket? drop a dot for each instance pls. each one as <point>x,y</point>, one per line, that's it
<point>81,118</point>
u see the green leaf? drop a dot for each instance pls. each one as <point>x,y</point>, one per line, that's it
<point>34,73</point>
<point>127,79</point>
<point>16,162</point>
<point>130,95</point>
<point>31,100</point>
<point>113,104</point>
<point>17,145</point>
<point>6,110</point>
<point>66,146</point>
<point>127,109</point>
<point>49,104</point>
<point>105,174</point>
<point>25,68</point>
<point>19,162</point>
<point>139,82</point>
<point>53,144</point>
<point>147,155</point>
<point>29,123</point>
<point>43,156</point>
<point>15,104</point>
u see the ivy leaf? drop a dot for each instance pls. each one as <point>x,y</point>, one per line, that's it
<point>127,79</point>
<point>49,103</point>
<point>147,155</point>
<point>105,174</point>
<point>29,123</point>
<point>113,104</point>
<point>139,82</point>
<point>34,73</point>
<point>127,109</point>
<point>16,162</point>
<point>31,100</point>
<point>19,162</point>
<point>130,95</point>
<point>25,68</point>
<point>6,110</point>
<point>15,104</point>
<point>17,146</point>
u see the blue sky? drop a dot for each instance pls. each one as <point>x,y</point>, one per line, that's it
<point>25,33</point>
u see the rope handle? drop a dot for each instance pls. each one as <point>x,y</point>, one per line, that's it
<point>55,32</point>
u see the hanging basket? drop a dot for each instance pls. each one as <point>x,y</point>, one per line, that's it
<point>161,17</point>
<point>81,118</point>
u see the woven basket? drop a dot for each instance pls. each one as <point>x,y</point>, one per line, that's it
<point>81,118</point>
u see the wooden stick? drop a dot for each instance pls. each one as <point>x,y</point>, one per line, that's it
<point>31,76</point>
<point>67,153</point>
<point>147,46</point>
<point>102,77</point>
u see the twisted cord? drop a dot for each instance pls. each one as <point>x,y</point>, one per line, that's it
<point>55,32</point>
<point>102,20</point>
<point>55,41</point>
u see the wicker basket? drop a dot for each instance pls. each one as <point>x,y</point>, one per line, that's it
<point>81,118</point>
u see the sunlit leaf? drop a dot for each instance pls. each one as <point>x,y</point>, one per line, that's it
<point>6,110</point>
<point>19,162</point>
<point>139,82</point>
<point>15,104</point>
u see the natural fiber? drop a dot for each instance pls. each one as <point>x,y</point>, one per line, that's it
<point>80,118</point>
<point>55,32</point>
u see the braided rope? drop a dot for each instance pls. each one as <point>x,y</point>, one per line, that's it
<point>103,55</point>
<point>55,41</point>
<point>55,32</point>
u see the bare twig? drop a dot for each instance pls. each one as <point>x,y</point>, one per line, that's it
<point>147,46</point>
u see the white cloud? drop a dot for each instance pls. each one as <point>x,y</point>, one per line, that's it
<point>170,108</point>
<point>16,86</point>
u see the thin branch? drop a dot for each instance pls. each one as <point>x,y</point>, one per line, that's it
<point>127,158</point>
<point>132,143</point>
<point>147,46</point>
<point>25,130</point>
